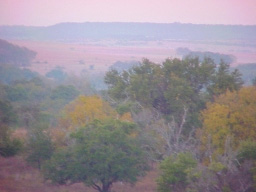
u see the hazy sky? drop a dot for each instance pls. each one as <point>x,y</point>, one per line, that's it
<point>50,12</point>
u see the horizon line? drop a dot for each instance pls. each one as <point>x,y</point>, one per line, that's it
<point>124,22</point>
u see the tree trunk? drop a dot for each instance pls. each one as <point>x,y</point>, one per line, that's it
<point>106,187</point>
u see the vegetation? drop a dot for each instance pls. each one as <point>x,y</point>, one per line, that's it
<point>249,73</point>
<point>57,74</point>
<point>217,57</point>
<point>15,55</point>
<point>192,118</point>
<point>175,172</point>
<point>231,117</point>
<point>39,147</point>
<point>172,95</point>
<point>104,152</point>
<point>8,145</point>
<point>9,74</point>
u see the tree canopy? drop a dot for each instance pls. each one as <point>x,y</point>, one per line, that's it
<point>104,152</point>
<point>173,85</point>
<point>231,115</point>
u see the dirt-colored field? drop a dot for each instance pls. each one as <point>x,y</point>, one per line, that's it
<point>76,57</point>
<point>17,176</point>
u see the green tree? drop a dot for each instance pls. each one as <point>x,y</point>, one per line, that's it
<point>8,146</point>
<point>11,73</point>
<point>39,147</point>
<point>171,92</point>
<point>174,91</point>
<point>64,92</point>
<point>174,172</point>
<point>104,152</point>
<point>247,155</point>
<point>166,88</point>
<point>224,80</point>
<point>175,83</point>
<point>57,74</point>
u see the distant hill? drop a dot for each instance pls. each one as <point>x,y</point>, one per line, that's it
<point>15,55</point>
<point>130,31</point>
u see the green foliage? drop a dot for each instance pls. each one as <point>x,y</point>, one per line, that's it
<point>124,108</point>
<point>247,150</point>
<point>64,92</point>
<point>175,171</point>
<point>124,66</point>
<point>17,93</point>
<point>224,80</point>
<point>116,84</point>
<point>167,88</point>
<point>23,91</point>
<point>7,114</point>
<point>57,74</point>
<point>39,147</point>
<point>11,73</point>
<point>104,152</point>
<point>216,167</point>
<point>62,168</point>
<point>173,92</point>
<point>248,71</point>
<point>175,83</point>
<point>8,147</point>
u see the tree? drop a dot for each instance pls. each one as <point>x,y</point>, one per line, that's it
<point>11,73</point>
<point>8,146</point>
<point>175,83</point>
<point>104,152</point>
<point>64,92</point>
<point>174,172</point>
<point>85,109</point>
<point>39,147</point>
<point>224,80</point>
<point>57,74</point>
<point>230,117</point>
<point>172,92</point>
<point>166,88</point>
<point>80,112</point>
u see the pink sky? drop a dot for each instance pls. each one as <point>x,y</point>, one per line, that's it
<point>50,12</point>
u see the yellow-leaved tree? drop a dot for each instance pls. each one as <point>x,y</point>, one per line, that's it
<point>230,119</point>
<point>82,111</point>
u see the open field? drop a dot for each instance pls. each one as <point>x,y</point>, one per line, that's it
<point>99,55</point>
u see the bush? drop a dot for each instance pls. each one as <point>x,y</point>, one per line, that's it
<point>8,147</point>
<point>175,171</point>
